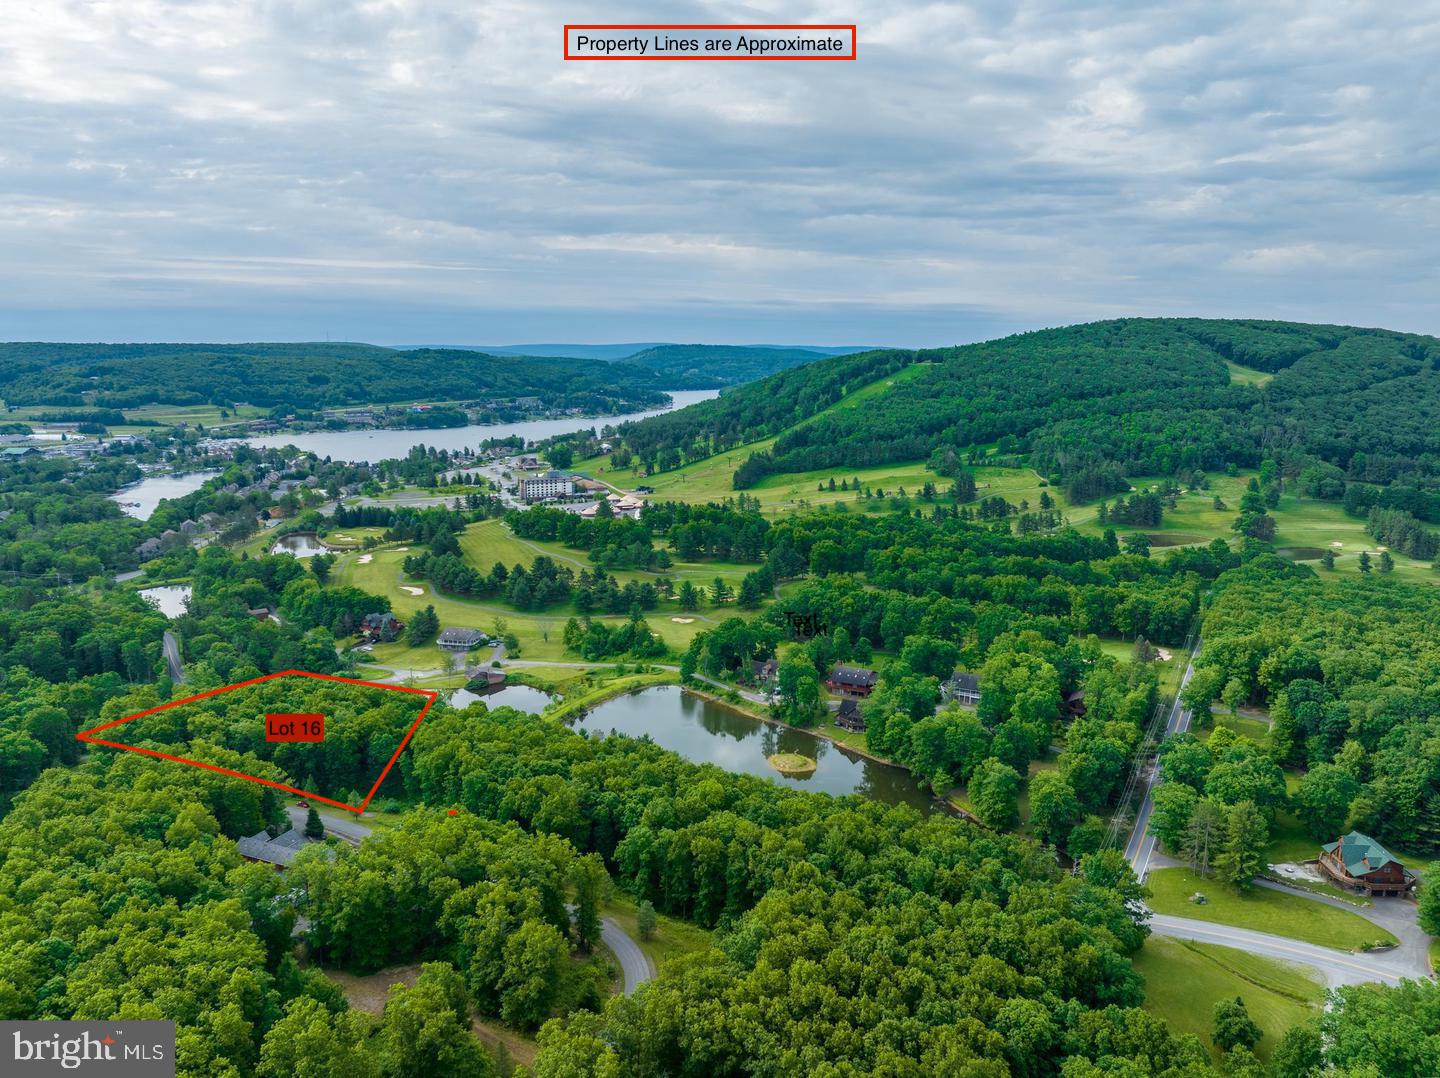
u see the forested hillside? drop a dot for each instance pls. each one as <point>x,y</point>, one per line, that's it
<point>307,376</point>
<point>707,366</point>
<point>313,375</point>
<point>1350,671</point>
<point>1133,396</point>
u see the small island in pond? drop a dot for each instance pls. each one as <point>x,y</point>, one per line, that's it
<point>792,763</point>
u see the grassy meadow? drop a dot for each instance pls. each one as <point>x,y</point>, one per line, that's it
<point>1262,910</point>
<point>1184,981</point>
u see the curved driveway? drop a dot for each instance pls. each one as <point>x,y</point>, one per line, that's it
<point>635,965</point>
<point>1337,967</point>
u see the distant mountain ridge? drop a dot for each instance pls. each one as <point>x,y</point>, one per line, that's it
<point>686,366</point>
<point>325,374</point>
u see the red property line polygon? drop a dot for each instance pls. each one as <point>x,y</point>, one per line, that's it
<point>850,27</point>
<point>430,697</point>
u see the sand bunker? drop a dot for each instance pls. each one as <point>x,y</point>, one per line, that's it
<point>1163,655</point>
<point>1337,542</point>
<point>401,549</point>
<point>366,559</point>
<point>349,537</point>
<point>412,590</point>
<point>683,621</point>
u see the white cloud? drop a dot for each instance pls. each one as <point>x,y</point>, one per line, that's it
<point>249,161</point>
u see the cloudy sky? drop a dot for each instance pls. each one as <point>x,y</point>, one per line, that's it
<point>432,171</point>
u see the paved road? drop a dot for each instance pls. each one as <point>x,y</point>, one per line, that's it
<point>351,830</point>
<point>1396,915</point>
<point>1141,846</point>
<point>1337,967</point>
<point>172,658</point>
<point>634,963</point>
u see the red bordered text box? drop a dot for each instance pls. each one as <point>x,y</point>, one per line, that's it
<point>848,27</point>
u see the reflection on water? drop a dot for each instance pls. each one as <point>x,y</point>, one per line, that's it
<point>141,499</point>
<point>170,599</point>
<point>300,544</point>
<point>520,697</point>
<point>377,445</point>
<point>706,732</point>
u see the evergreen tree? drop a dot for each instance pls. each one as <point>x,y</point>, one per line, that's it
<point>314,826</point>
<point>1203,835</point>
<point>423,627</point>
<point>1242,853</point>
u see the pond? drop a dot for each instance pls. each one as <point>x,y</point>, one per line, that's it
<point>377,445</point>
<point>142,498</point>
<point>705,732</point>
<point>520,697</point>
<point>169,599</point>
<point>299,544</point>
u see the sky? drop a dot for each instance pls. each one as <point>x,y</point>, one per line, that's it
<point>433,172</point>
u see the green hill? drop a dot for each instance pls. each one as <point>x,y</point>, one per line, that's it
<point>710,366</point>
<point>1090,404</point>
<point>306,375</point>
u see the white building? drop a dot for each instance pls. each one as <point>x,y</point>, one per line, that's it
<point>547,487</point>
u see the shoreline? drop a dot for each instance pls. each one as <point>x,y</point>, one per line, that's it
<point>816,732</point>
<point>942,802</point>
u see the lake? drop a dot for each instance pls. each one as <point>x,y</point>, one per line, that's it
<point>299,544</point>
<point>375,445</point>
<point>520,697</point>
<point>142,498</point>
<point>705,732</point>
<point>169,599</point>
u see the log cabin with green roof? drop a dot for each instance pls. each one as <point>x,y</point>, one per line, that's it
<point>1358,862</point>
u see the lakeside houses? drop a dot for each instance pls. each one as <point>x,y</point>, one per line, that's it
<point>764,671</point>
<point>962,687</point>
<point>848,717</point>
<point>483,677</point>
<point>852,680</point>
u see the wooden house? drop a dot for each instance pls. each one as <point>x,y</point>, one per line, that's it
<point>1359,863</point>
<point>852,681</point>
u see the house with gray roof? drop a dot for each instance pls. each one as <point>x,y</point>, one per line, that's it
<point>461,639</point>
<point>278,850</point>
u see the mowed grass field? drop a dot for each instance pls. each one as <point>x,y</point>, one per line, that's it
<point>1184,981</point>
<point>491,541</point>
<point>1305,527</point>
<point>1262,910</point>
<point>380,572</point>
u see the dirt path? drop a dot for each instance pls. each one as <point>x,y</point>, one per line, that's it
<point>368,994</point>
